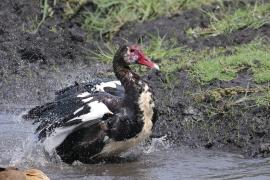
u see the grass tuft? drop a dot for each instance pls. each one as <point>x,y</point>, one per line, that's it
<point>254,56</point>
<point>109,15</point>
<point>47,11</point>
<point>106,54</point>
<point>252,16</point>
<point>263,100</point>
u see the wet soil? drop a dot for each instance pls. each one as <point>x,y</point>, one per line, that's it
<point>34,66</point>
<point>33,63</point>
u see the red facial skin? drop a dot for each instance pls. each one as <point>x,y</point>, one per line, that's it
<point>137,53</point>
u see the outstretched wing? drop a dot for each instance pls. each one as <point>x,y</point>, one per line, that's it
<point>74,106</point>
<point>68,97</point>
<point>60,118</point>
<point>112,87</point>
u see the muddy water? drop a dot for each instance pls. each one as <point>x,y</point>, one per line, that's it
<point>157,160</point>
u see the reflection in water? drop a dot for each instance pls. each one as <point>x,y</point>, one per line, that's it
<point>156,161</point>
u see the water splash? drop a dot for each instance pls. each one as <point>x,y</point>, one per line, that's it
<point>157,144</point>
<point>30,154</point>
<point>21,148</point>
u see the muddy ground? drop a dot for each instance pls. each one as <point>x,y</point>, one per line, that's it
<point>34,66</point>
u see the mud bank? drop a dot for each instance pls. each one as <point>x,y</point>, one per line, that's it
<point>34,66</point>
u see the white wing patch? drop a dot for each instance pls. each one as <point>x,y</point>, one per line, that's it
<point>57,137</point>
<point>78,110</point>
<point>100,87</point>
<point>87,99</point>
<point>84,94</point>
<point>97,110</point>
